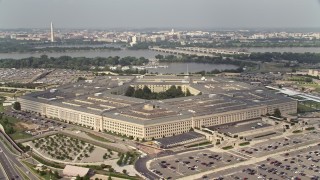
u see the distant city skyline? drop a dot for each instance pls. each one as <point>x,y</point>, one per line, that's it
<point>138,14</point>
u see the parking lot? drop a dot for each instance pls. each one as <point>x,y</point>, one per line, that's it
<point>42,122</point>
<point>181,165</point>
<point>279,144</point>
<point>301,164</point>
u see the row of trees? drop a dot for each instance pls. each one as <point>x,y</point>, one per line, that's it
<point>20,85</point>
<point>290,56</point>
<point>10,45</point>
<point>67,62</point>
<point>264,57</point>
<point>209,60</point>
<point>217,71</point>
<point>146,93</point>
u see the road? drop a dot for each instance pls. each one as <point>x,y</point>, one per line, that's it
<point>8,159</point>
<point>2,173</point>
<point>7,166</point>
<point>141,167</point>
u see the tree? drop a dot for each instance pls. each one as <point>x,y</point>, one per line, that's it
<point>130,91</point>
<point>277,113</point>
<point>146,90</point>
<point>56,174</point>
<point>159,56</point>
<point>17,106</point>
<point>109,178</point>
<point>191,129</point>
<point>124,171</point>
<point>188,93</point>
<point>308,80</point>
<point>9,129</point>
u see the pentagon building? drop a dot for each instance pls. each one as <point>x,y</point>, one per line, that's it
<point>100,104</point>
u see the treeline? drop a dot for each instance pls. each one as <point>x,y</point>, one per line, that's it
<point>146,93</point>
<point>67,62</point>
<point>20,46</point>
<point>310,58</point>
<point>217,71</point>
<point>66,49</point>
<point>19,85</point>
<point>163,44</point>
<point>209,60</point>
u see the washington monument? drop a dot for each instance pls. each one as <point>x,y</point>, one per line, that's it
<point>52,36</point>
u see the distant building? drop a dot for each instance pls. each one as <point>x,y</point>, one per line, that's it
<point>134,40</point>
<point>314,72</point>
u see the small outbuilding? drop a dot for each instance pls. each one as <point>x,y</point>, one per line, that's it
<point>72,171</point>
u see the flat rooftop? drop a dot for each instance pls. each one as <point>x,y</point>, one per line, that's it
<point>235,128</point>
<point>179,138</point>
<point>96,96</point>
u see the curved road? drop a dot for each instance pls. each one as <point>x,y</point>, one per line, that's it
<point>141,163</point>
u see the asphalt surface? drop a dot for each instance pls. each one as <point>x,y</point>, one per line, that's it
<point>2,174</point>
<point>13,159</point>
<point>141,163</point>
<point>7,166</point>
<point>141,166</point>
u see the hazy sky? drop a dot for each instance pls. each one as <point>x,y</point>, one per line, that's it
<point>160,13</point>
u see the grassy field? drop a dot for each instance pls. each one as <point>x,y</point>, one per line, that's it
<point>1,103</point>
<point>20,135</point>
<point>271,67</point>
<point>19,131</point>
<point>302,108</point>
<point>200,144</point>
<point>310,85</point>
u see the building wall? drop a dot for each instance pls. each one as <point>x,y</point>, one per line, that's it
<point>285,108</point>
<point>168,129</point>
<point>32,106</point>
<point>161,88</point>
<point>64,114</point>
<point>158,130</point>
<point>229,117</point>
<point>122,127</point>
<point>313,72</point>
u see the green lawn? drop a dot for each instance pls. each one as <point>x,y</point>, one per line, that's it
<point>308,106</point>
<point>19,131</point>
<point>273,67</point>
<point>1,105</point>
<point>244,143</point>
<point>303,108</point>
<point>20,135</point>
<point>200,144</point>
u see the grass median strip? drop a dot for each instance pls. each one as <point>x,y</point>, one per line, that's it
<point>24,176</point>
<point>98,138</point>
